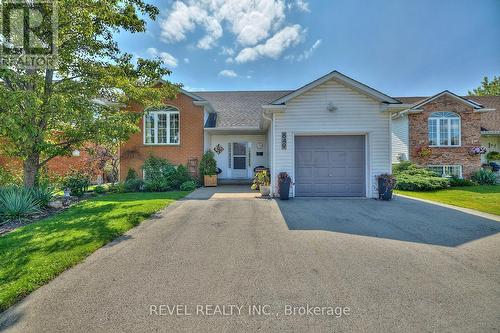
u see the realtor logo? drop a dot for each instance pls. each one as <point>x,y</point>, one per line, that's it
<point>28,34</point>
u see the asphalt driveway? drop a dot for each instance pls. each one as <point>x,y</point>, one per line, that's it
<point>389,266</point>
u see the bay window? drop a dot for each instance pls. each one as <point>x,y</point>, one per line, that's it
<point>161,126</point>
<point>444,129</point>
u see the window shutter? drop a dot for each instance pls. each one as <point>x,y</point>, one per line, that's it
<point>229,155</point>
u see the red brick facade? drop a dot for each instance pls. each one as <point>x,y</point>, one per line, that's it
<point>470,136</point>
<point>134,152</point>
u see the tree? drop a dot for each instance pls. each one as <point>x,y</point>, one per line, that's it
<point>487,87</point>
<point>102,157</point>
<point>48,112</point>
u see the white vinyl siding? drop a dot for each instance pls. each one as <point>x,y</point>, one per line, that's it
<point>400,139</point>
<point>356,114</point>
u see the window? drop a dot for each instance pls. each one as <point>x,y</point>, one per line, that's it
<point>444,129</point>
<point>161,126</point>
<point>447,170</point>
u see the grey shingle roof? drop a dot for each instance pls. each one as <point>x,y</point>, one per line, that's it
<point>239,108</point>
<point>244,108</point>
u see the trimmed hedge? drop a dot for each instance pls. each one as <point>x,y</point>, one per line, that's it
<point>410,177</point>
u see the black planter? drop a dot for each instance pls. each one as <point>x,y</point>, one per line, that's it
<point>384,193</point>
<point>284,188</point>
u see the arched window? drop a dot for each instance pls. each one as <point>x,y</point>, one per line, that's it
<point>444,129</point>
<point>161,126</point>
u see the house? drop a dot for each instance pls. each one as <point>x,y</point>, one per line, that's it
<point>440,131</point>
<point>333,136</point>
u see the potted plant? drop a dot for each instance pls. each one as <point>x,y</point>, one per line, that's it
<point>284,182</point>
<point>264,182</point>
<point>386,183</point>
<point>208,169</point>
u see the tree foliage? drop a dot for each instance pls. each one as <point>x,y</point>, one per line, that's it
<point>50,112</point>
<point>487,87</point>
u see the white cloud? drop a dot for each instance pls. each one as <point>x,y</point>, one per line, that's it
<point>232,74</point>
<point>167,58</point>
<point>274,46</point>
<point>186,60</point>
<point>306,54</point>
<point>251,21</point>
<point>302,5</point>
<point>228,73</point>
<point>227,51</point>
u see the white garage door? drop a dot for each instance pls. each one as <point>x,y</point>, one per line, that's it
<point>330,166</point>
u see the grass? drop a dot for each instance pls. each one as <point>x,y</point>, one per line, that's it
<point>34,254</point>
<point>484,198</point>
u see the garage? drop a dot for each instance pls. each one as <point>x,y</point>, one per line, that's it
<point>330,166</point>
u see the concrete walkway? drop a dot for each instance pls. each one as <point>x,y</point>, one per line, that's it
<point>397,266</point>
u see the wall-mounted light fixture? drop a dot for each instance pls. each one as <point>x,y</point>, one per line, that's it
<point>331,107</point>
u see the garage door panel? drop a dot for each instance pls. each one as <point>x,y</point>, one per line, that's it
<point>304,157</point>
<point>304,172</point>
<point>330,165</point>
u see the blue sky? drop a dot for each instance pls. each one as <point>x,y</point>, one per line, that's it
<point>400,47</point>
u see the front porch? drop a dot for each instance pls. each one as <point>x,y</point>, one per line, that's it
<point>238,154</point>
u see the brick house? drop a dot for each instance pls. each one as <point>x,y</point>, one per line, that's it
<point>439,131</point>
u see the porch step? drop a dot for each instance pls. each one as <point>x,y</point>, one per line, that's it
<point>234,181</point>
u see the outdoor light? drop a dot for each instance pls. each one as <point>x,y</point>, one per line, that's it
<point>331,107</point>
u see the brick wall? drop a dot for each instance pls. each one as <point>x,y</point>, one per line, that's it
<point>133,153</point>
<point>470,132</point>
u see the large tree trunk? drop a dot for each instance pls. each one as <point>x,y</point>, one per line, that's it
<point>30,170</point>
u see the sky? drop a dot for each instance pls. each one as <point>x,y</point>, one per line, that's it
<point>400,47</point>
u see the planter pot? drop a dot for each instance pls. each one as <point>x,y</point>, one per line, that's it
<point>284,188</point>
<point>265,190</point>
<point>210,181</point>
<point>384,193</point>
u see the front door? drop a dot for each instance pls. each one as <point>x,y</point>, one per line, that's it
<point>239,160</point>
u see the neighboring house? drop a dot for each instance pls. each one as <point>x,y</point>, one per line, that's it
<point>446,127</point>
<point>333,136</point>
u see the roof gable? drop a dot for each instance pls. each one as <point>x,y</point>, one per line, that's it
<point>450,94</point>
<point>342,79</point>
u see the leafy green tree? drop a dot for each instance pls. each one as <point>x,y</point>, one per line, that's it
<point>487,87</point>
<point>50,112</point>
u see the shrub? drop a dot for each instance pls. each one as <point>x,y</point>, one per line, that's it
<point>42,194</point>
<point>401,166</point>
<point>131,174</point>
<point>410,177</point>
<point>77,182</point>
<point>420,183</point>
<point>455,181</point>
<point>17,203</point>
<point>99,189</point>
<point>190,185</point>
<point>116,188</point>
<point>493,156</point>
<point>133,185</point>
<point>208,165</point>
<point>158,174</point>
<point>484,177</point>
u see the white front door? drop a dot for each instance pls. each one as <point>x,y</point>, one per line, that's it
<point>239,160</point>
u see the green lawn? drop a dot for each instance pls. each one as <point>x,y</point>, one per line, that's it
<point>34,254</point>
<point>483,198</point>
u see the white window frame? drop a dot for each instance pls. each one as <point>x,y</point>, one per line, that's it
<point>438,129</point>
<point>449,166</point>
<point>170,110</point>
